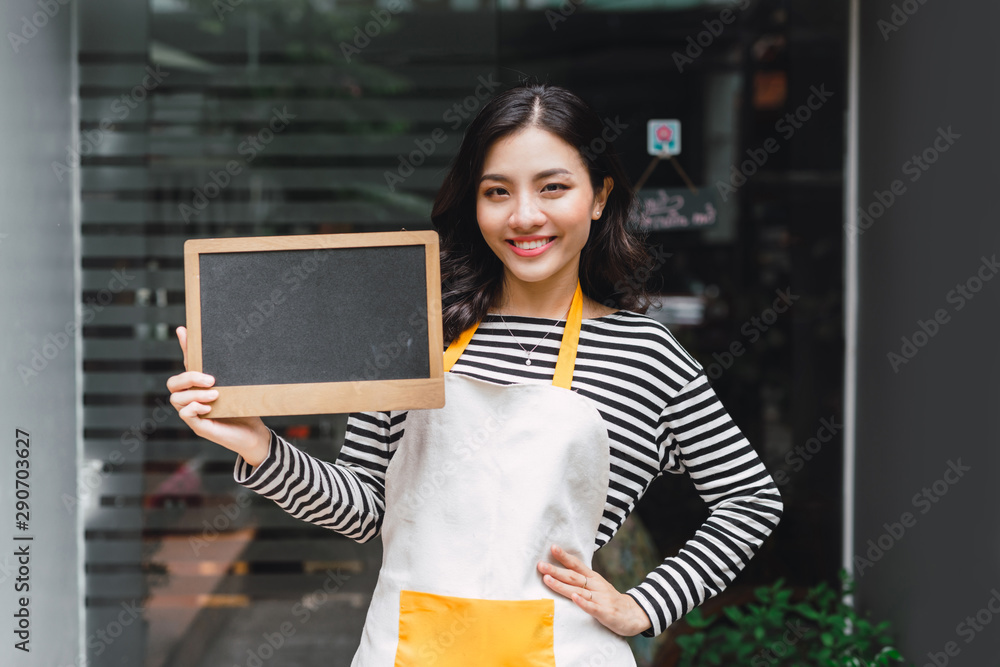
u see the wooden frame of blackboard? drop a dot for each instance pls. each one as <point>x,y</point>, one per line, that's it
<point>320,397</point>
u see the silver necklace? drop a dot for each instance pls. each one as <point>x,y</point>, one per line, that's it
<point>527,362</point>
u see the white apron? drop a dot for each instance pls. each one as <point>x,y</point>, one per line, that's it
<point>475,495</point>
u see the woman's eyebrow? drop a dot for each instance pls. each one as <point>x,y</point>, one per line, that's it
<point>540,175</point>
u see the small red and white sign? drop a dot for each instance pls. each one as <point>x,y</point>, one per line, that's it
<point>663,137</point>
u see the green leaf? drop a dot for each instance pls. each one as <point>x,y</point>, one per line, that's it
<point>696,619</point>
<point>733,613</point>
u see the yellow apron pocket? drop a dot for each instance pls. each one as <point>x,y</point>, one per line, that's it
<point>446,631</point>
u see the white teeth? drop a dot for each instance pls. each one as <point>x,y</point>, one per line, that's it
<point>530,245</point>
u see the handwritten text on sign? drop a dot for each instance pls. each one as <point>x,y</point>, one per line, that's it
<point>668,208</point>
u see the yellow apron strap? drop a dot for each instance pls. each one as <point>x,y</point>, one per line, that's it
<point>571,336</point>
<point>458,346</point>
<point>567,350</point>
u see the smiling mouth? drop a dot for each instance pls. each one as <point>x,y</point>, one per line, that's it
<point>531,245</point>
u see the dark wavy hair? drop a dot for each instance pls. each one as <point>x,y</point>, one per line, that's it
<point>472,275</point>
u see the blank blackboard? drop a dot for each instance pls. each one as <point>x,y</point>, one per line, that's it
<point>322,323</point>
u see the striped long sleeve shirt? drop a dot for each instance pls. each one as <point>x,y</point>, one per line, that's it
<point>662,417</point>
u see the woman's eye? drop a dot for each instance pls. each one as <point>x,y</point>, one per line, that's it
<point>555,187</point>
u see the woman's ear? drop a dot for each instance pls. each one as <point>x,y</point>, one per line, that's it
<point>601,197</point>
<point>609,184</point>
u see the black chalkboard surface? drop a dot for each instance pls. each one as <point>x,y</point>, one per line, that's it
<point>323,323</point>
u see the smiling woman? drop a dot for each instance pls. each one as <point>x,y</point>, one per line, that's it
<point>490,509</point>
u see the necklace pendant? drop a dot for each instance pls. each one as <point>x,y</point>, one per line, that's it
<point>527,362</point>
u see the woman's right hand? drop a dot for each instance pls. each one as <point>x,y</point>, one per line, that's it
<point>247,436</point>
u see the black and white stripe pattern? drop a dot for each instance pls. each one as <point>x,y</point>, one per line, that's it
<point>662,417</point>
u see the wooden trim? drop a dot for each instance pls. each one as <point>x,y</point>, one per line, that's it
<point>192,304</point>
<point>435,335</point>
<point>314,241</point>
<point>327,398</point>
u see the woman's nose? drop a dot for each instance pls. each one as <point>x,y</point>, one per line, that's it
<point>526,214</point>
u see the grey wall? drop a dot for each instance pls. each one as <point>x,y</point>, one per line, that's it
<point>938,70</point>
<point>38,359</point>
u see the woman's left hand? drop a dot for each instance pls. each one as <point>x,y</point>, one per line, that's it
<point>617,611</point>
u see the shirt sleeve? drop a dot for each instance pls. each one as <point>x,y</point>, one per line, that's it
<point>347,496</point>
<point>745,506</point>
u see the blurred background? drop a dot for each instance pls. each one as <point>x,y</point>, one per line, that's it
<point>823,244</point>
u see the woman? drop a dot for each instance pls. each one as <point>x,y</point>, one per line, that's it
<point>563,403</point>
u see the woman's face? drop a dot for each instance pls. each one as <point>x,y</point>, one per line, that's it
<point>534,204</point>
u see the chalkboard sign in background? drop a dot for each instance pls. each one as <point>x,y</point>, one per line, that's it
<point>321,323</point>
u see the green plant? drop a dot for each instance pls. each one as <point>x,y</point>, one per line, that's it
<point>818,630</point>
